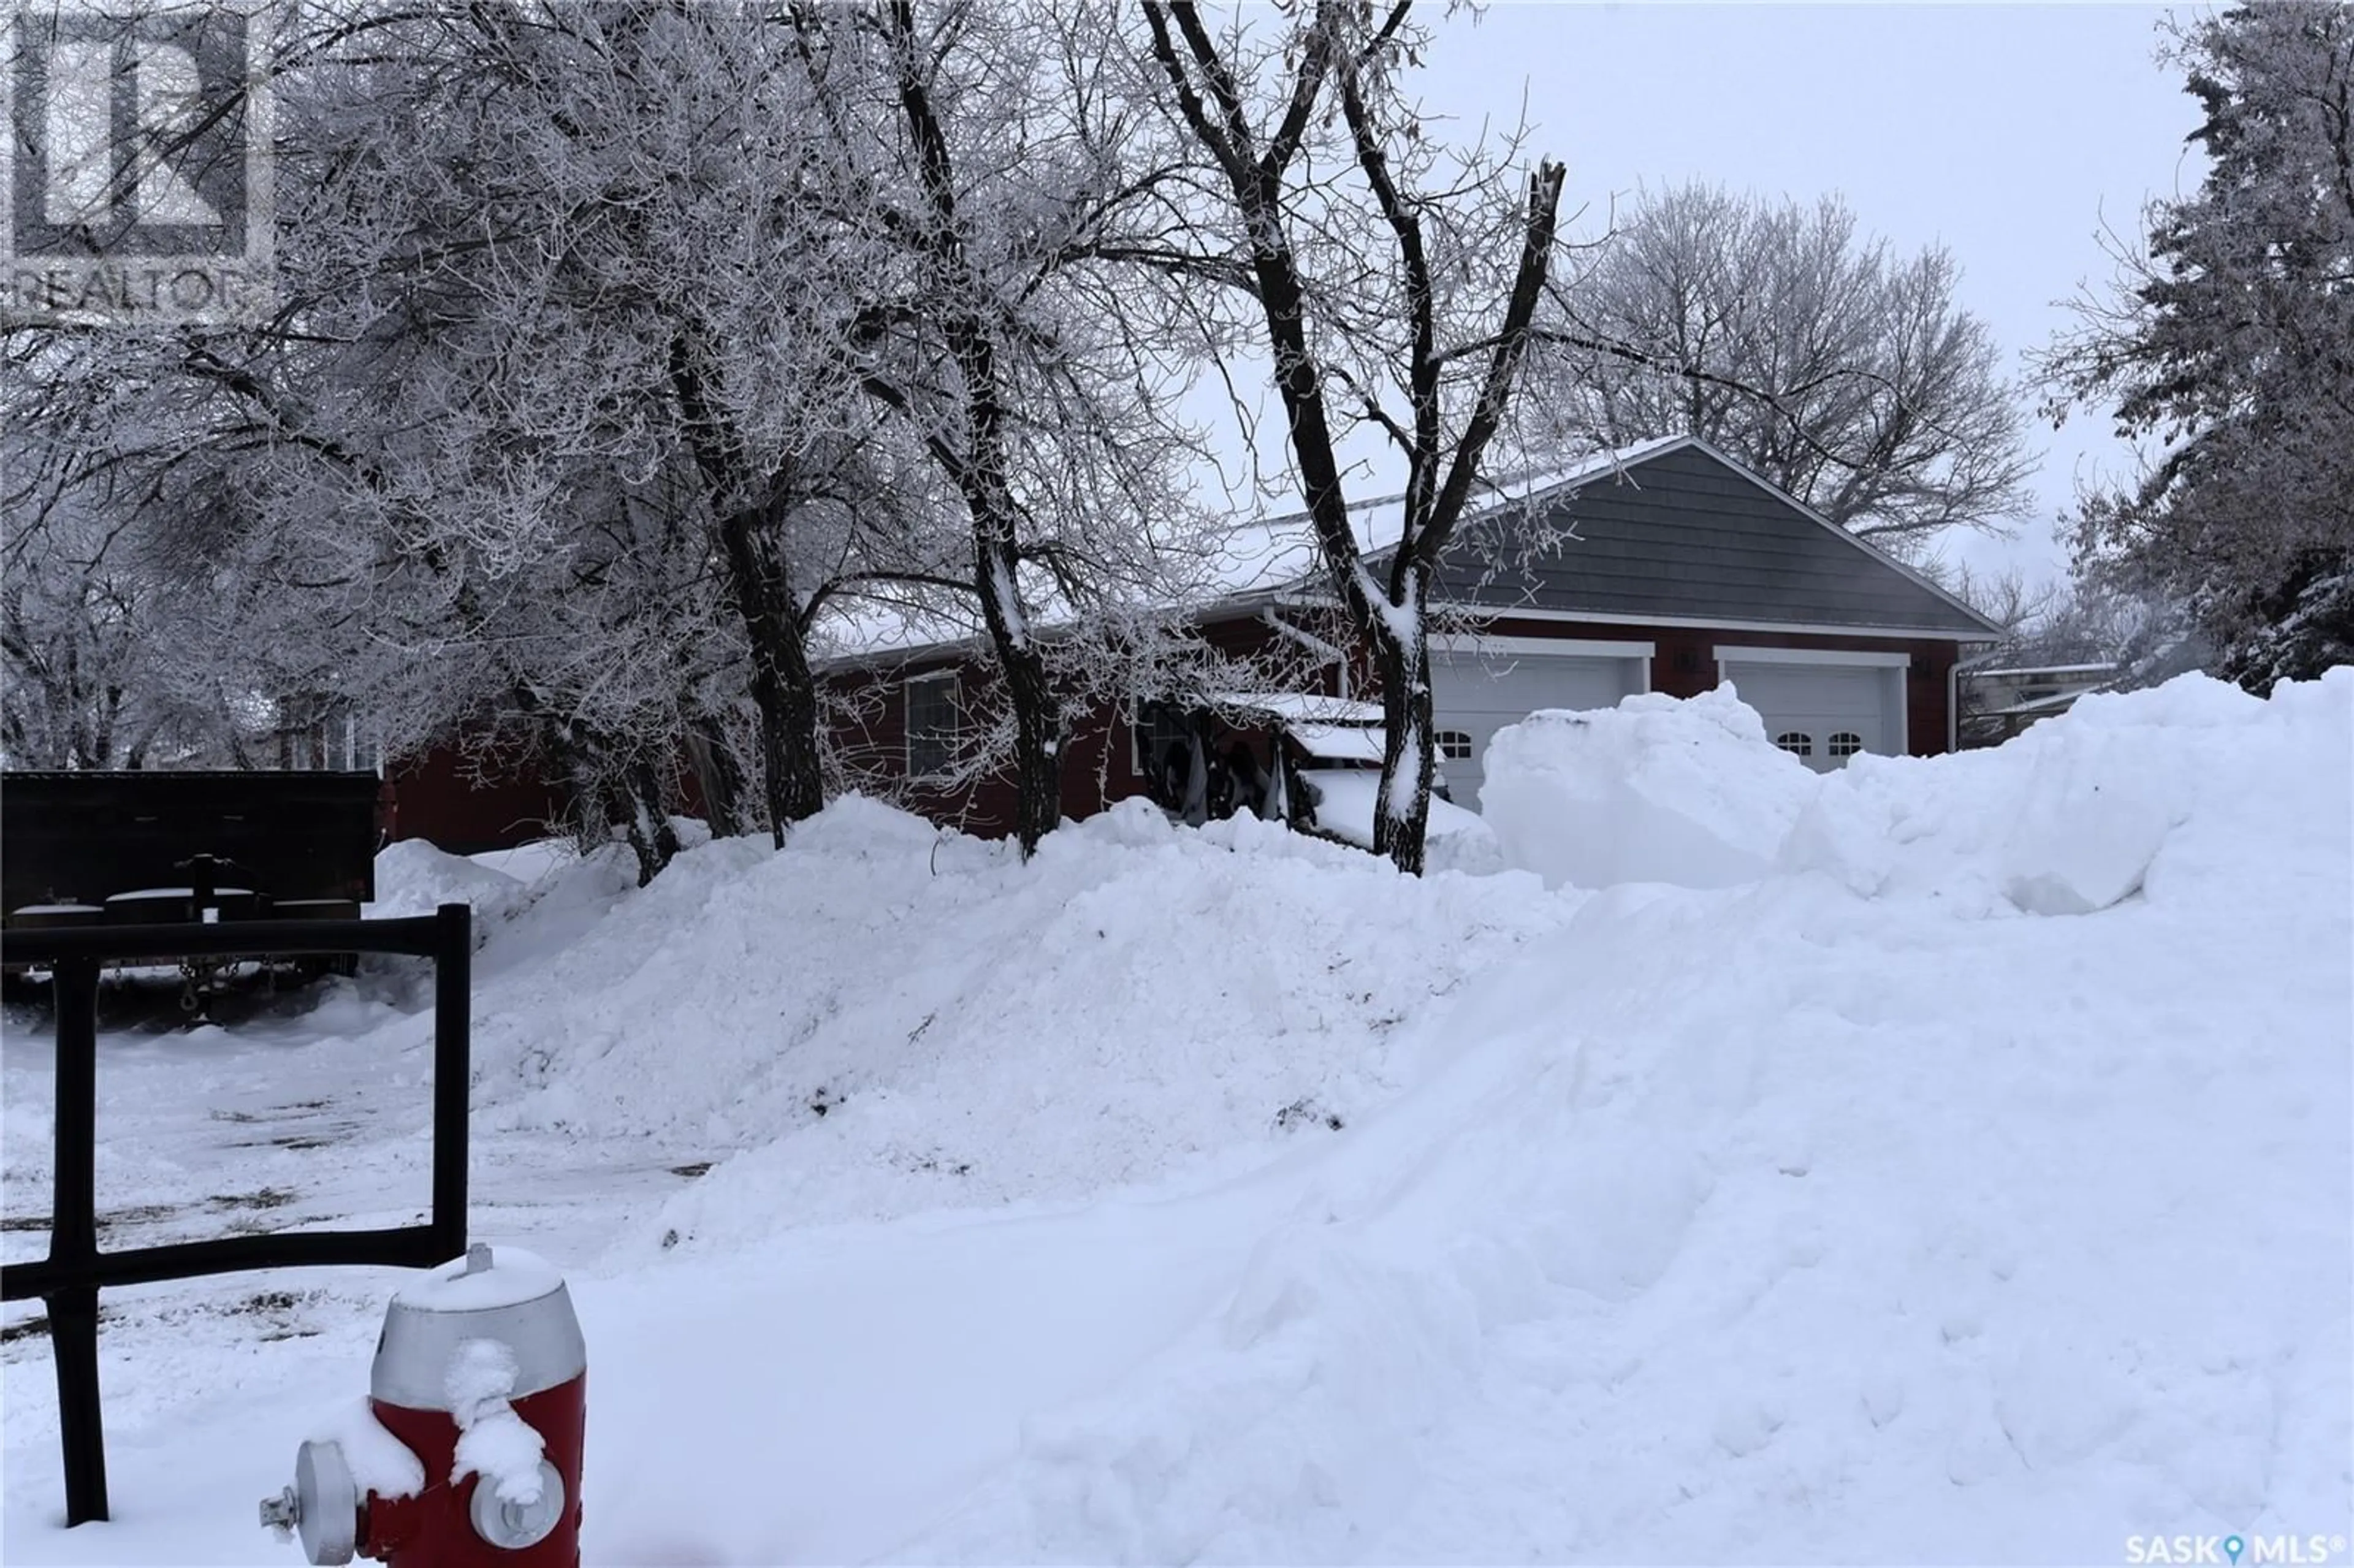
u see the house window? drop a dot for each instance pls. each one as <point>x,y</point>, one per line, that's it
<point>1796,742</point>
<point>1153,728</point>
<point>1455,745</point>
<point>935,723</point>
<point>1846,743</point>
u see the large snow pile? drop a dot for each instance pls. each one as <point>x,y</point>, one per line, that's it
<point>2067,819</point>
<point>1875,1207</point>
<point>1655,790</point>
<point>1788,1222</point>
<point>895,1017</point>
<point>2142,792</point>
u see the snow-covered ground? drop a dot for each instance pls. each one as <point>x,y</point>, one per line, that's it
<point>1963,1170</point>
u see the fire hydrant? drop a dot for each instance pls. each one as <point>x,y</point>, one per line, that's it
<point>470,1451</point>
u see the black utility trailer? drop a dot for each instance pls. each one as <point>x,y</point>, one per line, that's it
<point>81,849</point>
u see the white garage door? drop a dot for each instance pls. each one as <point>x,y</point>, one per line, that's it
<point>1824,714</point>
<point>1480,685</point>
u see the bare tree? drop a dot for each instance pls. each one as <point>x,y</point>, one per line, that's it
<point>556,428</point>
<point>1400,295</point>
<point>997,183</point>
<point>1847,374</point>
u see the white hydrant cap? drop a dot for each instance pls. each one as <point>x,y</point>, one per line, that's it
<point>510,1296</point>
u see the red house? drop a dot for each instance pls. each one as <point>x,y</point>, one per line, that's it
<point>1668,568</point>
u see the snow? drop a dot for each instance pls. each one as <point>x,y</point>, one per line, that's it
<point>1222,1195</point>
<point>1303,707</point>
<point>138,893</point>
<point>413,878</point>
<point>493,1442</point>
<point>380,1463</point>
<point>1339,743</point>
<point>1656,790</point>
<point>1455,840</point>
<point>528,863</point>
<point>1279,552</point>
<point>511,1277</point>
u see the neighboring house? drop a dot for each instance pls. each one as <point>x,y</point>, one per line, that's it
<point>466,806</point>
<point>1667,567</point>
<point>1999,698</point>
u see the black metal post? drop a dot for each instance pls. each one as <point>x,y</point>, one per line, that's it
<point>70,1277</point>
<point>453,957</point>
<point>73,1239</point>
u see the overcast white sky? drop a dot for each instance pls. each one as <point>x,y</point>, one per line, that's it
<point>2002,131</point>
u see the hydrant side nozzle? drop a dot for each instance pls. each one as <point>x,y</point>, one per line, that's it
<point>281,1513</point>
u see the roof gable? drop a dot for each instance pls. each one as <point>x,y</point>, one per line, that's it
<point>1679,530</point>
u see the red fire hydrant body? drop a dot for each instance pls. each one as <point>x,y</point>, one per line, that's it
<point>482,1376</point>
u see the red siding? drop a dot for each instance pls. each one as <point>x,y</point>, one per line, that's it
<point>1684,662</point>
<point>1099,760</point>
<point>869,736</point>
<point>438,796</point>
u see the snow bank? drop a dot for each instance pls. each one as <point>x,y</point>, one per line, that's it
<point>2073,816</point>
<point>1796,1221</point>
<point>1656,790</point>
<point>542,857</point>
<point>885,1017</point>
<point>412,877</point>
<point>2122,795</point>
<point>1854,1212</point>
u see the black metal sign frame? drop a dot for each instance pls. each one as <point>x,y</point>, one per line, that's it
<point>70,1277</point>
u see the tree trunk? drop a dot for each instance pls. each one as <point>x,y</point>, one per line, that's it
<point>603,786</point>
<point>718,775</point>
<point>1409,763</point>
<point>979,465</point>
<point>1037,714</point>
<point>784,688</point>
<point>637,796</point>
<point>784,692</point>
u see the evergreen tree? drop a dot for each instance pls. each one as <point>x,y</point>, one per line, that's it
<point>2231,343</point>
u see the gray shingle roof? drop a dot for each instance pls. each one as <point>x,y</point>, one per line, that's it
<point>1683,533</point>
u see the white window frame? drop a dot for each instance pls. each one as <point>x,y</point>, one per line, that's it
<point>1439,738</point>
<point>1141,764</point>
<point>908,720</point>
<point>1892,665</point>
